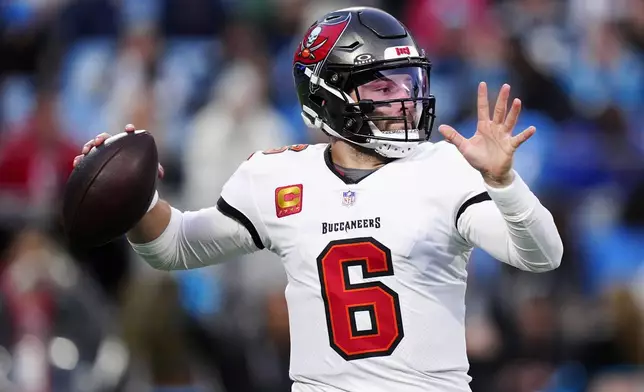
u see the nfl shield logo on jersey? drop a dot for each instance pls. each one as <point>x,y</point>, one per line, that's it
<point>348,198</point>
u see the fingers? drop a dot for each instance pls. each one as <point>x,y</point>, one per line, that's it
<point>451,135</point>
<point>501,104</point>
<point>161,172</point>
<point>513,116</point>
<point>87,146</point>
<point>519,139</point>
<point>482,103</point>
<point>97,141</point>
<point>77,159</point>
<point>100,139</point>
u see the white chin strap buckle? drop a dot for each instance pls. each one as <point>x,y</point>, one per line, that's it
<point>396,150</point>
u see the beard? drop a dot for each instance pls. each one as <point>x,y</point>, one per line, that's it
<point>392,127</point>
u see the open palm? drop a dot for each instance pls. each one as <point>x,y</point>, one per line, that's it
<point>491,149</point>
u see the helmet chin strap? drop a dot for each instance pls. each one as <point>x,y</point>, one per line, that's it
<point>387,149</point>
<point>396,149</point>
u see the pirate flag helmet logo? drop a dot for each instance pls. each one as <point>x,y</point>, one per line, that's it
<point>319,40</point>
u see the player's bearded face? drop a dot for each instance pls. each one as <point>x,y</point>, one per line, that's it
<point>397,118</point>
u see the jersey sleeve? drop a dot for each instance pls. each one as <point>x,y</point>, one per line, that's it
<point>238,201</point>
<point>194,239</point>
<point>508,223</point>
<point>515,229</point>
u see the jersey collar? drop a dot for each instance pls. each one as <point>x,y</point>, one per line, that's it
<point>339,173</point>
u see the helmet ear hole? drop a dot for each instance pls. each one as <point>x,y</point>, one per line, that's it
<point>350,124</point>
<point>353,124</point>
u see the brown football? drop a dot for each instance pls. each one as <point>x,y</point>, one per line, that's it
<point>110,190</point>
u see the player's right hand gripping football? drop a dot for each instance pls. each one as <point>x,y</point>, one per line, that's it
<point>100,139</point>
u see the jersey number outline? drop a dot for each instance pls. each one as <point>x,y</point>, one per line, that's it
<point>294,148</point>
<point>343,300</point>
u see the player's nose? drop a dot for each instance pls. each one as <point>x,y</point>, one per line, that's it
<point>406,107</point>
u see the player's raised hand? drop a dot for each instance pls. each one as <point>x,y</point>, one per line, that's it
<point>491,149</point>
<point>100,139</point>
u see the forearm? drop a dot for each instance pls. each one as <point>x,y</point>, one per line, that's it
<point>152,225</point>
<point>515,228</point>
<point>169,239</point>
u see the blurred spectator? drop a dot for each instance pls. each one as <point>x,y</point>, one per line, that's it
<point>603,71</point>
<point>151,313</point>
<point>58,332</point>
<point>212,80</point>
<point>35,161</point>
<point>193,17</point>
<point>133,77</point>
<point>81,19</point>
<point>238,121</point>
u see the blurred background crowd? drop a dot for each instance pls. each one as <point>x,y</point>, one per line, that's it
<point>211,79</point>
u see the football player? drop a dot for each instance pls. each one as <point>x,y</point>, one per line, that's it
<point>374,228</point>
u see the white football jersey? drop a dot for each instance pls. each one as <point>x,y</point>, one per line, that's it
<point>376,269</point>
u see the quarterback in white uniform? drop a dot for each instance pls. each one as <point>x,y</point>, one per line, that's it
<point>375,228</point>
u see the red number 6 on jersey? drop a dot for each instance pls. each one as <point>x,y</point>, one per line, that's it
<point>345,302</point>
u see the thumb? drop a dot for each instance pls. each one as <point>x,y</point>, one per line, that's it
<point>130,128</point>
<point>451,135</point>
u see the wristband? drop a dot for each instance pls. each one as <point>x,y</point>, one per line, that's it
<point>155,200</point>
